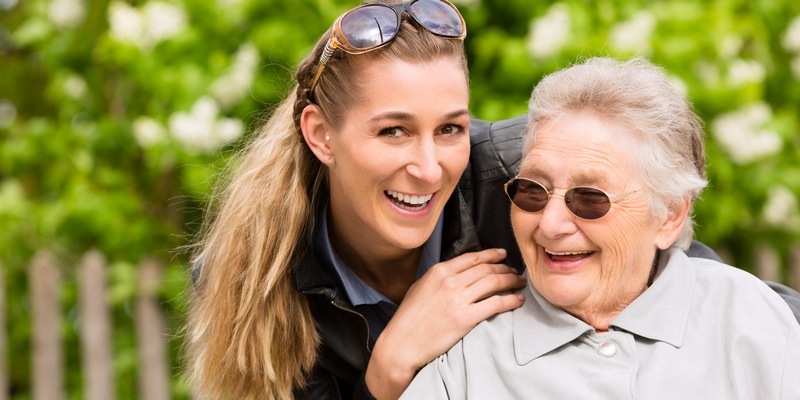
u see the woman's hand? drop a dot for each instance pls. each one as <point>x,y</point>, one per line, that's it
<point>437,311</point>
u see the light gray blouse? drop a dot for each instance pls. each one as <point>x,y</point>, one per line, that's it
<point>702,330</point>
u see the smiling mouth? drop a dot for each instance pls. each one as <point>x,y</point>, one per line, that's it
<point>407,201</point>
<point>567,255</point>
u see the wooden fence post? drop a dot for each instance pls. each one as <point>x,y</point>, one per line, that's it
<point>96,349</point>
<point>154,376</point>
<point>48,368</point>
<point>3,337</point>
<point>768,264</point>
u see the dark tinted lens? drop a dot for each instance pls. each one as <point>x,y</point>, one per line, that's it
<point>438,17</point>
<point>369,26</point>
<point>527,195</point>
<point>587,203</point>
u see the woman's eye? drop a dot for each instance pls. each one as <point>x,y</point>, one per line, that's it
<point>391,132</point>
<point>452,129</point>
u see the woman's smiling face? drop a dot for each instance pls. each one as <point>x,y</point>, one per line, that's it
<point>590,268</point>
<point>400,152</point>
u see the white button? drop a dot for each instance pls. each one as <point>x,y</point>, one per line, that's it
<point>607,349</point>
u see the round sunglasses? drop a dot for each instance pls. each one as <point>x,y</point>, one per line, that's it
<point>371,26</point>
<point>583,202</point>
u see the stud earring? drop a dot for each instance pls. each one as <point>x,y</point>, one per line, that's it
<point>327,137</point>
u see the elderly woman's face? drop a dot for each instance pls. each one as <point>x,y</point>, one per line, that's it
<point>589,268</point>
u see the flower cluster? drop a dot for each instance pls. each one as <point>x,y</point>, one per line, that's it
<point>202,129</point>
<point>548,34</point>
<point>791,42</point>
<point>231,87</point>
<point>743,133</point>
<point>633,35</point>
<point>145,27</point>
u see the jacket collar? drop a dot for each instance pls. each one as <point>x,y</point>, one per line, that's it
<point>458,236</point>
<point>660,313</point>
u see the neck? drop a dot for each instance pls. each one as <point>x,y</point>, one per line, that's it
<point>391,272</point>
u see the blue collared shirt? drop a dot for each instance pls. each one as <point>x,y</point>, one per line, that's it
<point>376,308</point>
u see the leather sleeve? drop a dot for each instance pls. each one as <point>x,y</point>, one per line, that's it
<point>791,296</point>
<point>320,385</point>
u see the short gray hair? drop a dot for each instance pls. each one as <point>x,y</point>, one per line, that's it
<point>637,95</point>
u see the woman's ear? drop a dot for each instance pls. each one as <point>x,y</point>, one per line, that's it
<point>316,133</point>
<point>672,226</point>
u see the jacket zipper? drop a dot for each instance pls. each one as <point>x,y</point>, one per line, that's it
<point>363,318</point>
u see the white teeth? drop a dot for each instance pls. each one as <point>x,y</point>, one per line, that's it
<point>566,253</point>
<point>410,199</point>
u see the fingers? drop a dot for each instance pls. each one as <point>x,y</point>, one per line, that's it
<point>469,260</point>
<point>496,304</point>
<point>474,275</point>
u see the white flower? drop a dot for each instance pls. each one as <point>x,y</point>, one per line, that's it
<point>162,21</point>
<point>200,131</point>
<point>8,113</point>
<point>148,132</point>
<point>231,87</point>
<point>548,34</point>
<point>66,13</point>
<point>730,46</point>
<point>634,34</point>
<point>155,22</point>
<point>791,40</point>
<point>742,72</point>
<point>75,86</point>
<point>781,208</point>
<point>742,135</point>
<point>229,129</point>
<point>125,22</point>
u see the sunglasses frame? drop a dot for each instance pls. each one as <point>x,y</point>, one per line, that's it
<point>338,39</point>
<point>550,194</point>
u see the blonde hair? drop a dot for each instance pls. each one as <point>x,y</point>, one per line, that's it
<point>635,94</point>
<point>250,333</point>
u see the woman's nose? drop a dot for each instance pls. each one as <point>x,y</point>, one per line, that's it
<point>424,163</point>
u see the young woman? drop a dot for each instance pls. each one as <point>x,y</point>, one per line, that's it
<point>345,204</point>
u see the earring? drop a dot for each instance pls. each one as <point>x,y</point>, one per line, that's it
<point>327,137</point>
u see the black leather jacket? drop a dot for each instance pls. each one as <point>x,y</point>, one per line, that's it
<point>476,217</point>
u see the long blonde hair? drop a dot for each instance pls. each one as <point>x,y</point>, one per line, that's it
<point>250,332</point>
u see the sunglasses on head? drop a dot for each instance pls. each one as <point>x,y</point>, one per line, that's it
<point>583,202</point>
<point>371,26</point>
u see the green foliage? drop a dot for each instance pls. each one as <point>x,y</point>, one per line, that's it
<point>113,127</point>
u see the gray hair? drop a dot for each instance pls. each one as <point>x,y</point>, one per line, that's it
<point>636,95</point>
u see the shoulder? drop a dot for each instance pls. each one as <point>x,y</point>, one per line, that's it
<point>738,292</point>
<point>497,145</point>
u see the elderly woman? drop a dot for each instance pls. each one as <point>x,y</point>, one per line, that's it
<point>613,162</point>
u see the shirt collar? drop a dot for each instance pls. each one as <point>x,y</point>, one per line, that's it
<point>660,313</point>
<point>357,290</point>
